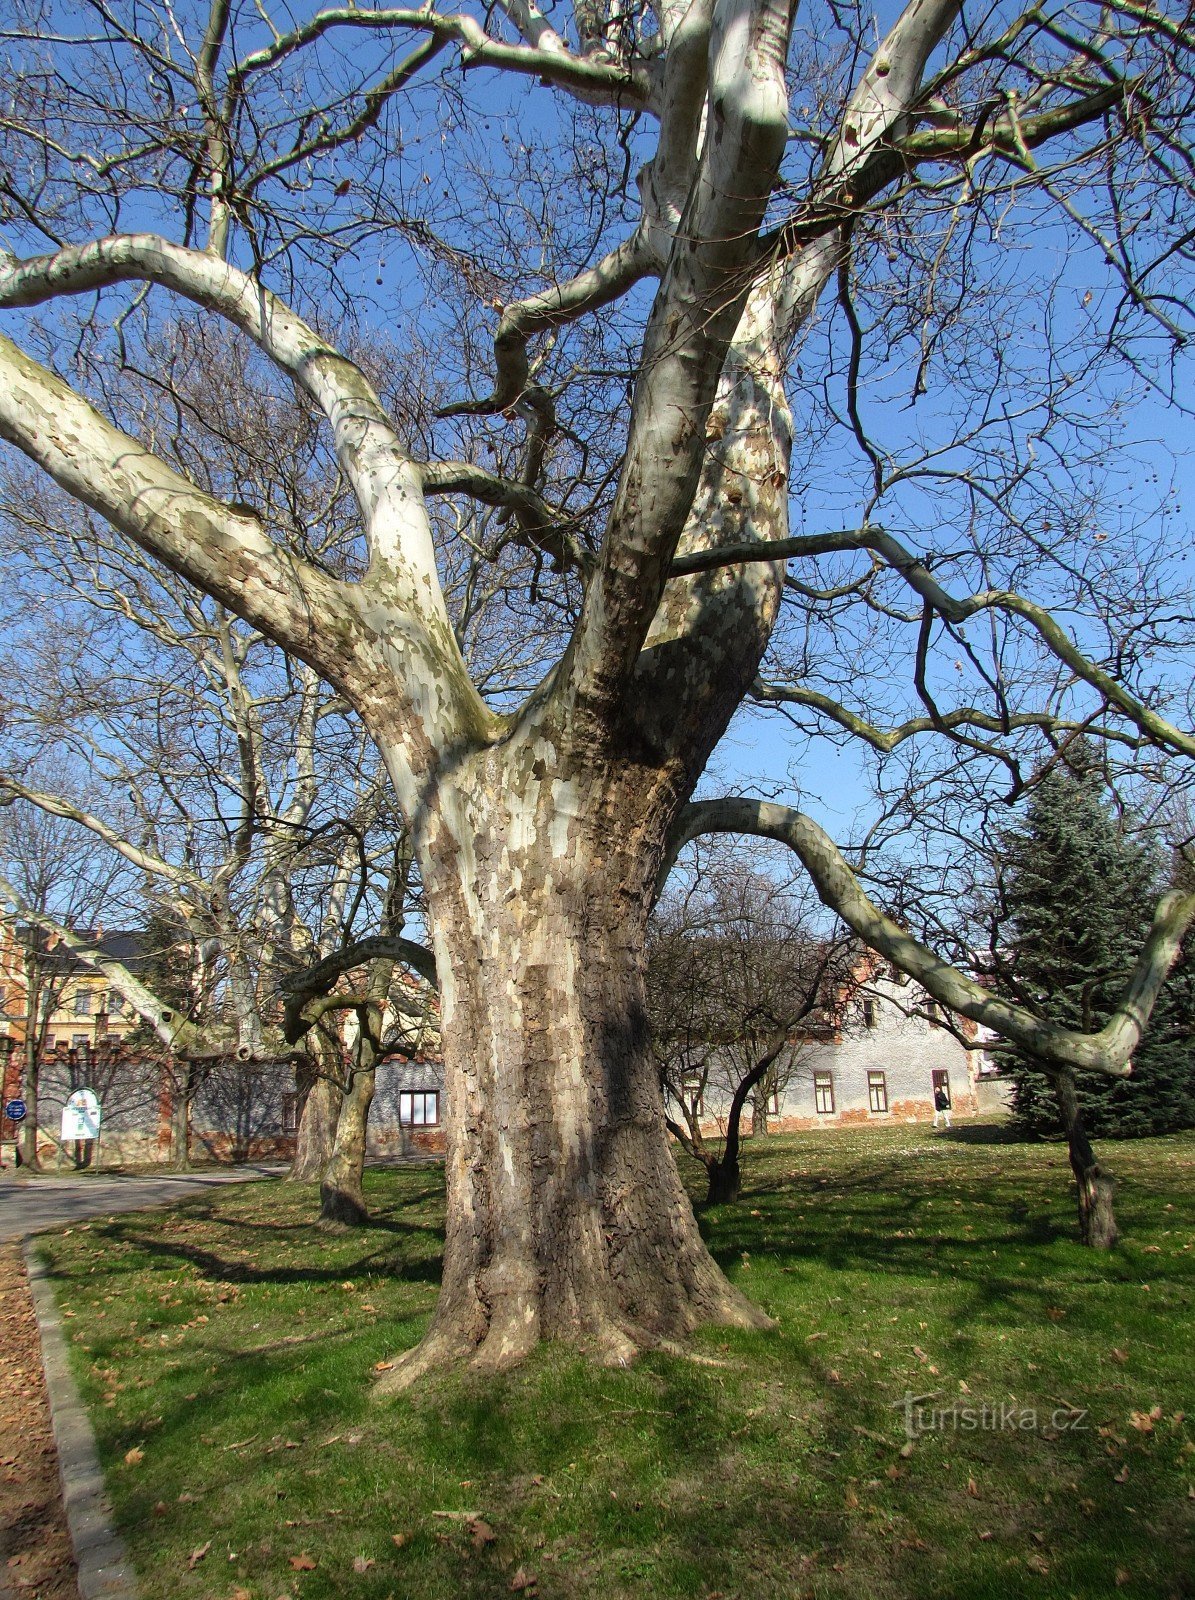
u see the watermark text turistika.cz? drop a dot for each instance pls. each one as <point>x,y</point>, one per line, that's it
<point>922,1416</point>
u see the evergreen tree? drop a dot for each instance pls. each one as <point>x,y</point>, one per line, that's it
<point>1077,894</point>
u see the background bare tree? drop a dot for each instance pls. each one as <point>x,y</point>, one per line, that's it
<point>743,974</point>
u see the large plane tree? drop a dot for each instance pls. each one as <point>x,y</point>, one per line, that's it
<point>700,234</point>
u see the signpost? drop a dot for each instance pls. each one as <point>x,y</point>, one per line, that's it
<point>16,1111</point>
<point>81,1116</point>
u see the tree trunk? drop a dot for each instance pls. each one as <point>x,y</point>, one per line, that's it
<point>316,1136</point>
<point>759,1113</point>
<point>725,1181</point>
<point>342,1195</point>
<point>27,1142</point>
<point>567,1218</point>
<point>1096,1186</point>
<point>180,1130</point>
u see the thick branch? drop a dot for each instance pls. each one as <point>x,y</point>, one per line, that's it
<point>594,81</point>
<point>692,323</point>
<point>317,980</point>
<point>1107,1051</point>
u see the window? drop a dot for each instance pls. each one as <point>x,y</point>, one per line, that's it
<point>692,1095</point>
<point>823,1093</point>
<point>869,1013</point>
<point>774,1102</point>
<point>101,1000</point>
<point>290,1113</point>
<point>115,1004</point>
<point>419,1109</point>
<point>877,1092</point>
<point>79,1041</point>
<point>933,1010</point>
<point>942,1082</point>
<point>82,1002</point>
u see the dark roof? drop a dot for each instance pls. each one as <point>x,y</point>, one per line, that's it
<point>130,946</point>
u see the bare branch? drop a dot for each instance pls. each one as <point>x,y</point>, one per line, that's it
<point>1107,1051</point>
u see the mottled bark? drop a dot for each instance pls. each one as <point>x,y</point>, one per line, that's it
<point>1096,1185</point>
<point>567,1218</point>
<point>342,1194</point>
<point>315,1137</point>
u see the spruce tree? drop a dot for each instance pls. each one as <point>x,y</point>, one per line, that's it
<point>1077,895</point>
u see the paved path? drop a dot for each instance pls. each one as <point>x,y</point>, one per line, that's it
<point>31,1205</point>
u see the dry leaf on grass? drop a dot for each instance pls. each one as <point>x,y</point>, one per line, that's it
<point>198,1554</point>
<point>480,1532</point>
<point>134,1457</point>
<point>522,1581</point>
<point>362,1564</point>
<point>303,1563</point>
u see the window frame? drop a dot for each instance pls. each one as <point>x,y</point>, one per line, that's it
<point>877,1090</point>
<point>823,1087</point>
<point>410,1100</point>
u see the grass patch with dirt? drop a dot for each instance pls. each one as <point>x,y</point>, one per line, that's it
<point>228,1346</point>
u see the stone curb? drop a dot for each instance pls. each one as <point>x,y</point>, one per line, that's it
<point>105,1572</point>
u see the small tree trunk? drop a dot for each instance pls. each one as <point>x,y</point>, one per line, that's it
<point>725,1181</point>
<point>316,1137</point>
<point>27,1143</point>
<point>342,1195</point>
<point>1096,1186</point>
<point>180,1129</point>
<point>759,1112</point>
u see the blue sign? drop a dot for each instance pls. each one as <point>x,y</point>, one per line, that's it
<point>15,1110</point>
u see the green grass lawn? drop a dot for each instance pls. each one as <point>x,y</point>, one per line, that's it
<point>228,1348</point>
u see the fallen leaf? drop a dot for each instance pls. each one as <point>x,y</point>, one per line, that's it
<point>198,1554</point>
<point>399,1539</point>
<point>1123,1475</point>
<point>522,1581</point>
<point>973,1488</point>
<point>361,1564</point>
<point>1037,1563</point>
<point>481,1532</point>
<point>964,1386</point>
<point>1123,1576</point>
<point>134,1457</point>
<point>303,1563</point>
<point>1142,1421</point>
<point>1055,1313</point>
